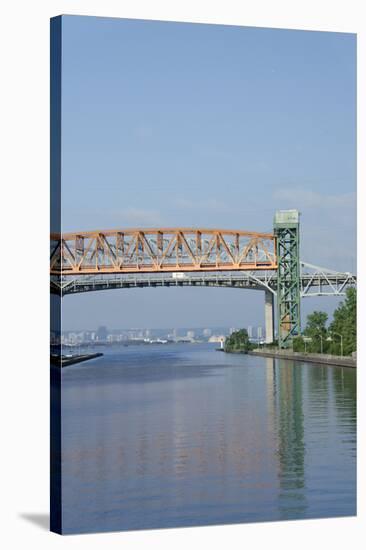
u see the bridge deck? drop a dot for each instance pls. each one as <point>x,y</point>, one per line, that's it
<point>312,284</point>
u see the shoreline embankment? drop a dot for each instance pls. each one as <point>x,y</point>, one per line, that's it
<point>320,358</point>
<point>64,361</point>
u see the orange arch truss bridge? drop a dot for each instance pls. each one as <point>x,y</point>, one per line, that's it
<point>161,250</point>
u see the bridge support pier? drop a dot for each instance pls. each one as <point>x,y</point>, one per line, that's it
<point>269,316</point>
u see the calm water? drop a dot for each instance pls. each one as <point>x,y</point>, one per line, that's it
<point>179,435</point>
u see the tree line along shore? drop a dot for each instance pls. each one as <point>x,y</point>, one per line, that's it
<point>337,337</point>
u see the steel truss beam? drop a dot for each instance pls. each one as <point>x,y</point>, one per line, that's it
<point>321,281</point>
<point>161,250</point>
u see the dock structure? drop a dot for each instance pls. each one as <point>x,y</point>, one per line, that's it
<point>65,361</point>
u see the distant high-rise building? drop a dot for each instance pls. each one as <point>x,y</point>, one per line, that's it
<point>102,333</point>
<point>231,330</point>
<point>250,332</point>
<point>190,334</point>
<point>207,332</point>
<point>259,333</point>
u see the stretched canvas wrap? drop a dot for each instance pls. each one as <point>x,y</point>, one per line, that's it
<point>203,274</point>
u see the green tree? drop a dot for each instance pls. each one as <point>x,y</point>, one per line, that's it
<point>298,344</point>
<point>238,341</point>
<point>316,329</point>
<point>345,323</point>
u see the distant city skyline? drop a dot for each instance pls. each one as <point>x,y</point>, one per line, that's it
<point>176,124</point>
<point>103,334</point>
<point>103,331</point>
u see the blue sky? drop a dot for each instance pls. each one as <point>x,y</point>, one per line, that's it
<point>206,125</point>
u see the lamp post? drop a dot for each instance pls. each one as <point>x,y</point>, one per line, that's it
<point>306,339</point>
<point>321,343</point>
<point>341,337</point>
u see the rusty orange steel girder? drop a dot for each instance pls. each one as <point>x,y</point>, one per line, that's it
<point>161,250</point>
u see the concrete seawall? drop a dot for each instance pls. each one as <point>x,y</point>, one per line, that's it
<point>320,358</point>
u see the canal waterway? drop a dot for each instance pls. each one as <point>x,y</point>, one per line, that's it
<point>175,435</point>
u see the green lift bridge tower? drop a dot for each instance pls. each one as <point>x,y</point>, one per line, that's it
<point>286,230</point>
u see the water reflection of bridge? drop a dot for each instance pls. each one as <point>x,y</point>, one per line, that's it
<point>295,411</point>
<point>248,439</point>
